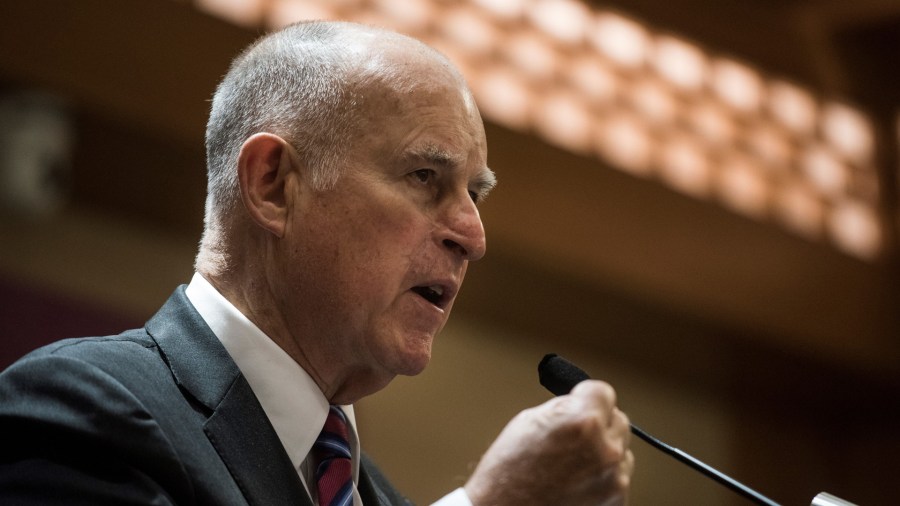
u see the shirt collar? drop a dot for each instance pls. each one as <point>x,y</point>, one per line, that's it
<point>289,396</point>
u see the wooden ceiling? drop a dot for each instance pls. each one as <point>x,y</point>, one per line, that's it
<point>575,247</point>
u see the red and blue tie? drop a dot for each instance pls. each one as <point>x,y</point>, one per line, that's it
<point>331,452</point>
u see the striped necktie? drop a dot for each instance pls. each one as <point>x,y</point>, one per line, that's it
<point>331,452</point>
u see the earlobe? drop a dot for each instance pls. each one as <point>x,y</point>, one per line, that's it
<point>263,166</point>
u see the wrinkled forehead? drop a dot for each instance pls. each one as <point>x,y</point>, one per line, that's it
<point>399,83</point>
<point>412,75</point>
<point>404,65</point>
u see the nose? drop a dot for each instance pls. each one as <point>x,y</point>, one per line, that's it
<point>464,232</point>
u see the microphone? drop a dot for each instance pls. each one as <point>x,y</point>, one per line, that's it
<point>559,376</point>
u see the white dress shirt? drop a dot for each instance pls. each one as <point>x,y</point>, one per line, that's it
<point>290,398</point>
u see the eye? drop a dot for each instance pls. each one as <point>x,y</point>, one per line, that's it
<point>474,196</point>
<point>423,175</point>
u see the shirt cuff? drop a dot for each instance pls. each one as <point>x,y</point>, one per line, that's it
<point>456,498</point>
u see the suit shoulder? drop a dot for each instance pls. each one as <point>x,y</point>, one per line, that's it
<point>87,367</point>
<point>83,411</point>
<point>129,341</point>
<point>127,367</point>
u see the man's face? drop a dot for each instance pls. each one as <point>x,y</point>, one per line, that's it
<point>375,263</point>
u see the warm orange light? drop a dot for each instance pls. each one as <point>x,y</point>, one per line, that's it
<point>770,145</point>
<point>826,173</point>
<point>506,10</point>
<point>504,96</point>
<point>653,101</point>
<point>683,164</point>
<point>800,209</point>
<point>565,21</point>
<point>737,85</point>
<point>743,187</point>
<point>625,142</point>
<point>848,131</point>
<point>680,63</point>
<point>622,40</point>
<point>593,79</point>
<point>409,16</point>
<point>712,122</point>
<point>284,12</point>
<point>532,55</point>
<point>565,119</point>
<point>855,229</point>
<point>469,31</point>
<point>247,13</point>
<point>793,107</point>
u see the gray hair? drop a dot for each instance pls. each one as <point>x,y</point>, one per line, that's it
<point>299,83</point>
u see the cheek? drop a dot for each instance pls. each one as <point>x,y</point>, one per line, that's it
<point>365,247</point>
<point>388,240</point>
<point>371,256</point>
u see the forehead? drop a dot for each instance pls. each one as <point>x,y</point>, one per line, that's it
<point>421,109</point>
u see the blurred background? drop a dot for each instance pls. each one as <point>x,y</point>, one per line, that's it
<point>698,204</point>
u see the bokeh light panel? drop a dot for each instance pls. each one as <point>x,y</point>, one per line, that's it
<point>647,102</point>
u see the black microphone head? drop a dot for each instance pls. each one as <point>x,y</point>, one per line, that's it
<point>559,375</point>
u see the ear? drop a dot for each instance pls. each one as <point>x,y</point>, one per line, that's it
<point>264,163</point>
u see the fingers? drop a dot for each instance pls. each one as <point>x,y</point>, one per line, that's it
<point>617,482</point>
<point>600,391</point>
<point>626,470</point>
<point>598,397</point>
<point>573,449</point>
<point>612,440</point>
<point>596,401</point>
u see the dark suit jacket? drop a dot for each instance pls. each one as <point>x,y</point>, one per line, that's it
<point>159,415</point>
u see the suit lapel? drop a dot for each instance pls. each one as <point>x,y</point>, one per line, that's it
<point>375,489</point>
<point>367,491</point>
<point>237,426</point>
<point>371,494</point>
<point>247,443</point>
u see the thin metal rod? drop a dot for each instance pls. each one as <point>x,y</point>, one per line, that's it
<point>715,474</point>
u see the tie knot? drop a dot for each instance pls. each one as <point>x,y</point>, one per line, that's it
<point>333,441</point>
<point>331,452</point>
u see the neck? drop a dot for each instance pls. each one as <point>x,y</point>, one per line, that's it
<point>340,383</point>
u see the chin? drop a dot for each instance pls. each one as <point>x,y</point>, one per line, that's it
<point>413,360</point>
<point>414,369</point>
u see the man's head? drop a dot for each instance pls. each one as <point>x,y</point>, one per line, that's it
<point>345,163</point>
<point>292,83</point>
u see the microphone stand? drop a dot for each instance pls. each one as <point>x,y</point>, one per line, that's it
<point>559,376</point>
<point>709,471</point>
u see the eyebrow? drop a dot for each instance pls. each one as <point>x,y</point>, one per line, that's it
<point>436,155</point>
<point>484,182</point>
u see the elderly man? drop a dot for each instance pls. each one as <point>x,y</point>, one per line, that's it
<point>345,165</point>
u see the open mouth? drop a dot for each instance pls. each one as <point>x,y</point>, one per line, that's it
<point>433,294</point>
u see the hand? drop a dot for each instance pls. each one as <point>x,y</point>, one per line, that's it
<point>572,450</point>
